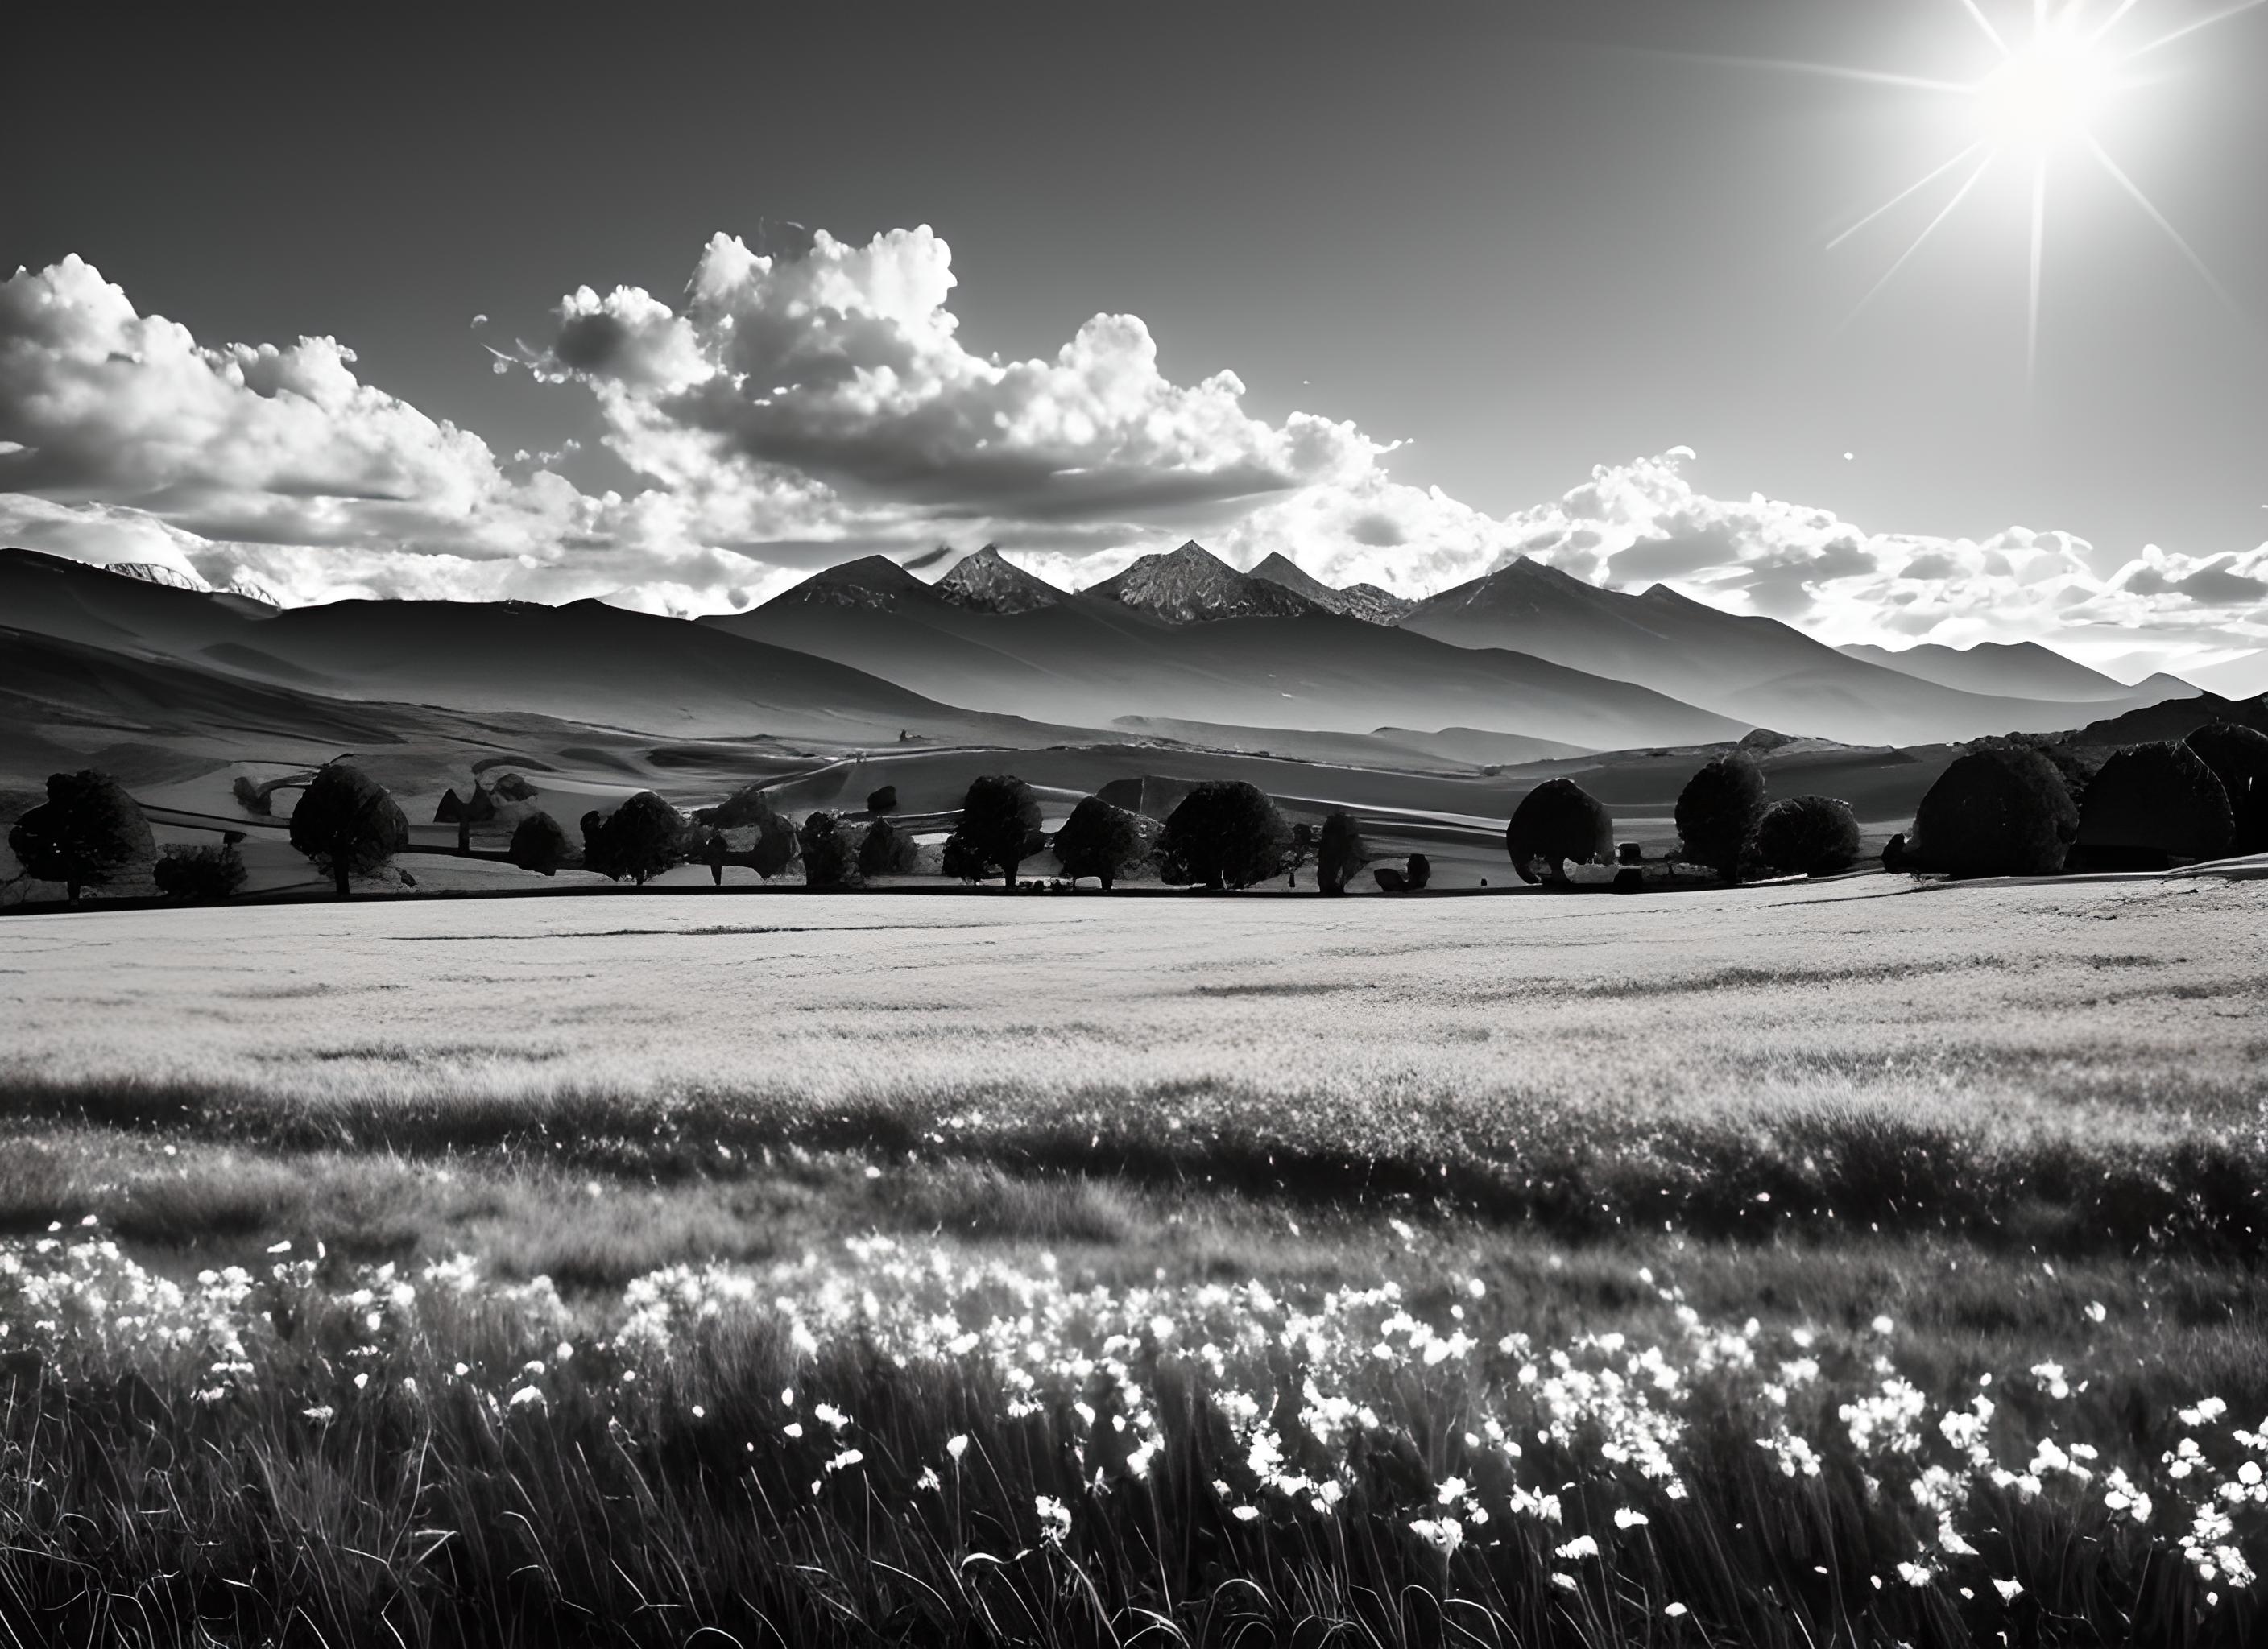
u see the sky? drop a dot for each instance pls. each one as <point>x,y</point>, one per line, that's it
<point>670,307</point>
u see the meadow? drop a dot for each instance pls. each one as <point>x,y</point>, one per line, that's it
<point>1845,1262</point>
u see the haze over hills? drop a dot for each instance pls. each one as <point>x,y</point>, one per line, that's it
<point>1093,658</point>
<point>2012,669</point>
<point>1751,668</point>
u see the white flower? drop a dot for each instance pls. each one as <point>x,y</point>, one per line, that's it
<point>1624,1517</point>
<point>1675,1611</point>
<point>1444,1534</point>
<point>1581,1546</point>
<point>1883,1325</point>
<point>323,1416</point>
<point>956,1446</point>
<point>2009,1590</point>
<point>526,1394</point>
<point>1565,1582</point>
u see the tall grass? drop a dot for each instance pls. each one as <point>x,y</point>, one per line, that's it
<point>909,1445</point>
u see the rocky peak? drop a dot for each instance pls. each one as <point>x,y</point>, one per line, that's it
<point>1191,584</point>
<point>1364,601</point>
<point>988,582</point>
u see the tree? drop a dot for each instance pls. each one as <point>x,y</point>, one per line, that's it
<point>1717,813</point>
<point>2238,757</point>
<point>215,871</point>
<point>642,838</point>
<point>466,811</point>
<point>1420,872</point>
<point>712,850</point>
<point>883,800</point>
<point>250,797</point>
<point>1340,852</point>
<point>1993,813</point>
<point>1225,833</point>
<point>1099,840</point>
<point>348,824</point>
<point>1556,821</point>
<point>1000,829</point>
<point>1299,851</point>
<point>2152,804</point>
<point>887,851</point>
<point>1808,836</point>
<point>827,857</point>
<point>538,844</point>
<point>88,832</point>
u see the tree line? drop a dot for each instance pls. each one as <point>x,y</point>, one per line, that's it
<point>2009,806</point>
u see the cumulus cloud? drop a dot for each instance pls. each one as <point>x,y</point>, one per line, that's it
<point>811,400</point>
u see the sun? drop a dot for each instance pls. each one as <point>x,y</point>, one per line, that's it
<point>2035,108</point>
<point>2045,93</point>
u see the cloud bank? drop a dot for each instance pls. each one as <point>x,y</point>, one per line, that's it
<point>799,406</point>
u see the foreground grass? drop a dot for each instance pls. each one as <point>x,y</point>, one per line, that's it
<point>1831,1270</point>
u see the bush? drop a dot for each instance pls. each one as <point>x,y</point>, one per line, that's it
<point>250,797</point>
<point>348,824</point>
<point>1556,821</point>
<point>1000,829</point>
<point>1339,853</point>
<point>1099,840</point>
<point>2238,757</point>
<point>1808,836</point>
<point>538,844</point>
<point>887,851</point>
<point>828,861</point>
<point>1993,813</point>
<point>883,800</point>
<point>213,872</point>
<point>1420,872</point>
<point>640,839</point>
<point>89,833</point>
<point>2151,803</point>
<point>1717,813</point>
<point>1225,833</point>
<point>1390,880</point>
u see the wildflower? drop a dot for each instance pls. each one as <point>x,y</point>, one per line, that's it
<point>1624,1517</point>
<point>849,1457</point>
<point>1675,1611</point>
<point>1581,1546</point>
<point>321,1416</point>
<point>1245,1513</point>
<point>1883,1326</point>
<point>1452,1489</point>
<point>793,1428</point>
<point>526,1394</point>
<point>956,1446</point>
<point>1565,1582</point>
<point>2009,1590</point>
<point>1916,1574</point>
<point>2205,1413</point>
<point>283,1246</point>
<point>1444,1534</point>
<point>700,1413</point>
<point>929,1479</point>
<point>2096,1312</point>
<point>833,1418</point>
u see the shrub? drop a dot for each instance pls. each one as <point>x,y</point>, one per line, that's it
<point>1420,872</point>
<point>1808,836</point>
<point>1717,813</point>
<point>999,830</point>
<point>348,824</point>
<point>883,800</point>
<point>2238,757</point>
<point>642,838</point>
<point>1993,813</point>
<point>1225,833</point>
<point>89,833</point>
<point>1340,852</point>
<point>887,851</point>
<point>250,797</point>
<point>2151,803</point>
<point>828,861</point>
<point>212,871</point>
<point>1556,821</point>
<point>1099,840</point>
<point>538,844</point>
<point>1390,880</point>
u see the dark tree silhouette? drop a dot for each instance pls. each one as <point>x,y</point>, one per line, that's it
<point>827,857</point>
<point>959,861</point>
<point>1808,836</point>
<point>1556,821</point>
<point>88,832</point>
<point>212,871</point>
<point>883,800</point>
<point>1420,872</point>
<point>2152,804</point>
<point>1340,852</point>
<point>1225,833</point>
<point>249,796</point>
<point>713,850</point>
<point>1993,813</point>
<point>538,844</point>
<point>465,812</point>
<point>1717,813</point>
<point>2238,757</point>
<point>1099,840</point>
<point>1390,880</point>
<point>348,824</point>
<point>1000,829</point>
<point>887,851</point>
<point>1298,851</point>
<point>640,839</point>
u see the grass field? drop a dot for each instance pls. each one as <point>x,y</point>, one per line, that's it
<point>1838,1262</point>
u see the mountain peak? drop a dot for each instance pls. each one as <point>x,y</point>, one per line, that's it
<point>988,582</point>
<point>1364,601</point>
<point>869,581</point>
<point>1191,584</point>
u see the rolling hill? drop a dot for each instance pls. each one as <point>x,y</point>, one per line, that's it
<point>2012,669</point>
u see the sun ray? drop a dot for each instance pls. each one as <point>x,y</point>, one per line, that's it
<point>2039,249</point>
<point>1911,190</point>
<point>1985,23</point>
<point>2188,29</point>
<point>1832,71</point>
<point>2118,175</point>
<point>2111,22</point>
<point>1944,212</point>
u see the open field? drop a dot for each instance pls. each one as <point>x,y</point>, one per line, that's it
<point>1791,1265</point>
